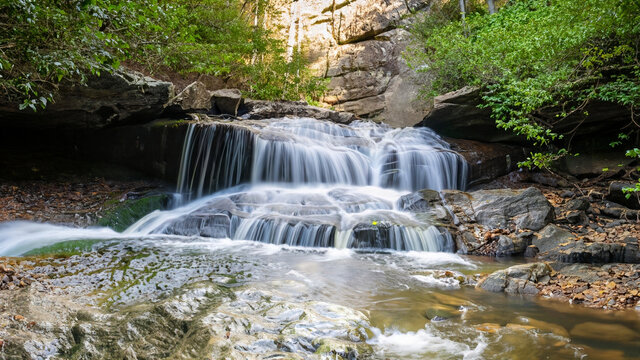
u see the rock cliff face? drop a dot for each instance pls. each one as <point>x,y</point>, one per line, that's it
<point>112,99</point>
<point>358,45</point>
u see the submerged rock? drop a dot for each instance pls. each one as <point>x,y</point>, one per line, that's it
<point>604,332</point>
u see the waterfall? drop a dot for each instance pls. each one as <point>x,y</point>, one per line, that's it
<point>318,216</point>
<point>301,151</point>
<point>305,182</point>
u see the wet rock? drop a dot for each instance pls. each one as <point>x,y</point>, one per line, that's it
<point>227,101</point>
<point>128,212</point>
<point>427,203</point>
<point>616,195</point>
<point>487,161</point>
<point>206,225</point>
<point>465,241</point>
<point>519,279</point>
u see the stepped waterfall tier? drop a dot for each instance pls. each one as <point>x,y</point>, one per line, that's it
<point>299,151</point>
<point>304,182</point>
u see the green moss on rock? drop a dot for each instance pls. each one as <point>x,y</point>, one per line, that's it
<point>128,212</point>
<point>64,249</point>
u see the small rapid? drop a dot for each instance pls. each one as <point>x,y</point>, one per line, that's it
<point>319,216</point>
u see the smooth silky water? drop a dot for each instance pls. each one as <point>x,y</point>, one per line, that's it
<point>332,257</point>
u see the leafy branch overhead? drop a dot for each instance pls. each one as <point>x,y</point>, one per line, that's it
<point>46,43</point>
<point>538,62</point>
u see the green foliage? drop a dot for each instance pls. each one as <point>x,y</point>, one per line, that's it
<point>44,43</point>
<point>633,153</point>
<point>543,160</point>
<point>537,54</point>
<point>283,79</point>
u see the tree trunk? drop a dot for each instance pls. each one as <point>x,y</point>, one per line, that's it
<point>462,10</point>
<point>492,7</point>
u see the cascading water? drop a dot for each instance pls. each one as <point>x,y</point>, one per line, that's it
<point>305,182</point>
<point>299,151</point>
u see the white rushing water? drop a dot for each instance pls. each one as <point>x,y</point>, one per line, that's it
<point>310,183</point>
<point>318,216</point>
<point>293,181</point>
<point>301,151</point>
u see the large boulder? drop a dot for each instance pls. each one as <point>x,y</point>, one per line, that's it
<point>227,101</point>
<point>501,208</point>
<point>526,209</point>
<point>111,99</point>
<point>551,237</point>
<point>593,161</point>
<point>194,98</point>
<point>519,279</point>
<point>427,204</point>
<point>475,218</point>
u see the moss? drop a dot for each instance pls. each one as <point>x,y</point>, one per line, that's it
<point>128,212</point>
<point>64,249</point>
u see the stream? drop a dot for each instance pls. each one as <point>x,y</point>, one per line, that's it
<point>293,240</point>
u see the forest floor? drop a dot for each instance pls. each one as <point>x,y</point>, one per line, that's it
<point>48,188</point>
